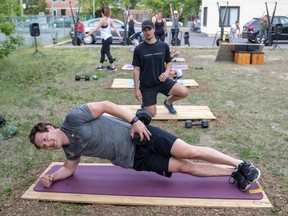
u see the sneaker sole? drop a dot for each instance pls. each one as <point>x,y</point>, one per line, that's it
<point>259,174</point>
<point>248,186</point>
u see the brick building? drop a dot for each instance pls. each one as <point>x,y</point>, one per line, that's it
<point>62,7</point>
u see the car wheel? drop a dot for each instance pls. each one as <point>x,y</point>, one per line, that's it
<point>257,38</point>
<point>218,42</point>
<point>89,39</point>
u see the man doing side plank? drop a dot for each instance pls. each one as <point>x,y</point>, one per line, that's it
<point>85,131</point>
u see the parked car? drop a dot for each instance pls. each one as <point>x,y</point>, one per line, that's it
<point>169,22</point>
<point>63,22</point>
<point>251,29</point>
<point>96,37</point>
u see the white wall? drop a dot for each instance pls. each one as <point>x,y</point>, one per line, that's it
<point>248,10</point>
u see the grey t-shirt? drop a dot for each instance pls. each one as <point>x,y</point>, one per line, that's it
<point>103,137</point>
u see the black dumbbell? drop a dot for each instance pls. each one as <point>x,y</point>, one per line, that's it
<point>2,121</point>
<point>145,116</point>
<point>86,77</point>
<point>190,124</point>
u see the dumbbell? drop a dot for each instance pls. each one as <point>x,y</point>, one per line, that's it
<point>145,116</point>
<point>190,124</point>
<point>86,77</point>
<point>2,121</point>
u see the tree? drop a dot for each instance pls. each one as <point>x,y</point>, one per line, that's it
<point>35,6</point>
<point>189,6</point>
<point>10,43</point>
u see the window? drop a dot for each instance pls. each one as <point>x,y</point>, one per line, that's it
<point>284,20</point>
<point>63,12</point>
<point>232,15</point>
<point>205,16</point>
<point>54,12</point>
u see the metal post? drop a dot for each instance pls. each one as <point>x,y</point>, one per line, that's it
<point>21,6</point>
<point>93,8</point>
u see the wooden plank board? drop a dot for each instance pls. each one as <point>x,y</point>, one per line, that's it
<point>174,67</point>
<point>226,50</point>
<point>30,194</point>
<point>184,112</point>
<point>129,83</point>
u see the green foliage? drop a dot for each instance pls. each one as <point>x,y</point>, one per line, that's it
<point>8,8</point>
<point>9,45</point>
<point>35,6</point>
<point>6,27</point>
<point>189,6</point>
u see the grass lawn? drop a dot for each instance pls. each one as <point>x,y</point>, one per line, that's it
<point>249,101</point>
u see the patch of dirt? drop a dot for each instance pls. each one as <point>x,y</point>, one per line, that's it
<point>15,206</point>
<point>208,140</point>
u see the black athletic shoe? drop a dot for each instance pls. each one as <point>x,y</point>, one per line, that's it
<point>100,68</point>
<point>249,171</point>
<point>242,182</point>
<point>113,69</point>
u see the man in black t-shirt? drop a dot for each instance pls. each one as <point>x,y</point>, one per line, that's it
<point>152,64</point>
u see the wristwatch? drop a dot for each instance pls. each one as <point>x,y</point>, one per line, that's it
<point>135,119</point>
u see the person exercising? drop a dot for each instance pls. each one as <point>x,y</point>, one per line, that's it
<point>86,131</point>
<point>152,65</point>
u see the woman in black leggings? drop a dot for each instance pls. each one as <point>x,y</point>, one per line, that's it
<point>105,24</point>
<point>160,26</point>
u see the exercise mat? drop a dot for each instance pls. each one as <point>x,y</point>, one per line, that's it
<point>174,67</point>
<point>93,183</point>
<point>112,180</point>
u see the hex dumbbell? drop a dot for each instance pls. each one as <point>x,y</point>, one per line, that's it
<point>86,77</point>
<point>190,124</point>
<point>145,116</point>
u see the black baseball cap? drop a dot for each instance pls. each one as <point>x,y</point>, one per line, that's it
<point>147,24</point>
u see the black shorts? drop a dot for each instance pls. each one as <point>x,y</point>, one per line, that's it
<point>155,155</point>
<point>149,95</point>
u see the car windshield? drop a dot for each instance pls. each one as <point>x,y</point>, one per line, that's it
<point>254,20</point>
<point>284,20</point>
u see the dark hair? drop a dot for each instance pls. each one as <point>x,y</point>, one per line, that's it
<point>41,127</point>
<point>106,11</point>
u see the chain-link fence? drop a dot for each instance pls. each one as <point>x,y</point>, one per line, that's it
<point>52,28</point>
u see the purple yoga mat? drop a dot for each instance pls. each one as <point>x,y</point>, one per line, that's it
<point>112,180</point>
<point>182,67</point>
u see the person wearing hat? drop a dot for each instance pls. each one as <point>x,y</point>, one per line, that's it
<point>152,66</point>
<point>175,23</point>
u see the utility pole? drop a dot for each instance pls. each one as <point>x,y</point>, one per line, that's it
<point>21,7</point>
<point>93,8</point>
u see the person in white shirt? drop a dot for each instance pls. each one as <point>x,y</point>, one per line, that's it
<point>234,32</point>
<point>105,25</point>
